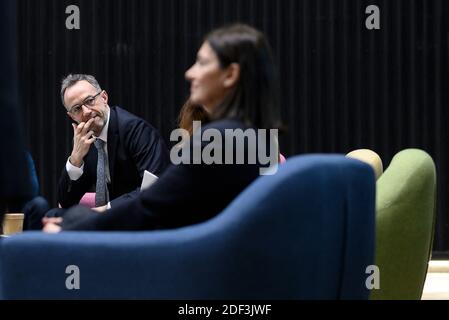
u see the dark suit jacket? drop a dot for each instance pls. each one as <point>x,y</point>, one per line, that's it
<point>185,194</point>
<point>133,147</point>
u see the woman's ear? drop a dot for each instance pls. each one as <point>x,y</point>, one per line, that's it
<point>232,75</point>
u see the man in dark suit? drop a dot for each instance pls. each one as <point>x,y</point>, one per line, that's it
<point>125,145</point>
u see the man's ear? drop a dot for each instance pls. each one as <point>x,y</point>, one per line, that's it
<point>232,75</point>
<point>104,96</point>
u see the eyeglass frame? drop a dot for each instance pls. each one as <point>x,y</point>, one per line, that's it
<point>85,103</point>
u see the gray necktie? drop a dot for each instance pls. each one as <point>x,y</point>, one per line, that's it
<point>101,190</point>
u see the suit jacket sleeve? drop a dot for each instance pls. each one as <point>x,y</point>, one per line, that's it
<point>148,151</point>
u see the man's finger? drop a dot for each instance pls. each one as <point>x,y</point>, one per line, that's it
<point>91,140</point>
<point>88,134</point>
<point>80,127</point>
<point>88,123</point>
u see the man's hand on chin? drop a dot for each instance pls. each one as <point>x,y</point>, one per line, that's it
<point>82,140</point>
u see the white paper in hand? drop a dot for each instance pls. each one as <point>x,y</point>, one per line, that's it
<point>148,180</point>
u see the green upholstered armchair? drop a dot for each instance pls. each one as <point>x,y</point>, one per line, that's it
<point>405,219</point>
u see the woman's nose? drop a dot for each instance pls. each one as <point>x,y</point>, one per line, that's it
<point>189,74</point>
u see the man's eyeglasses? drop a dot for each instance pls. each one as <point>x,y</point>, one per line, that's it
<point>89,102</point>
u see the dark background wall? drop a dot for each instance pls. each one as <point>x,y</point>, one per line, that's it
<point>343,86</point>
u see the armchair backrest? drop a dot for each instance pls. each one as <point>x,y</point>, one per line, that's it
<point>405,221</point>
<point>370,157</point>
<point>306,232</point>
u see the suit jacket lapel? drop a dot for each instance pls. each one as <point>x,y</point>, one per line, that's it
<point>112,141</point>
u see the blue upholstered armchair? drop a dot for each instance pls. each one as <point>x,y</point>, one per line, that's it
<point>306,232</point>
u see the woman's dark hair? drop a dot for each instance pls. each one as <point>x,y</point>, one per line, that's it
<point>191,112</point>
<point>254,99</point>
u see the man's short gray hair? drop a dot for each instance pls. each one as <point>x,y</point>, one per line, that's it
<point>72,79</point>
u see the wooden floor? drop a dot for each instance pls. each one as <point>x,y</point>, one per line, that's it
<point>437,281</point>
